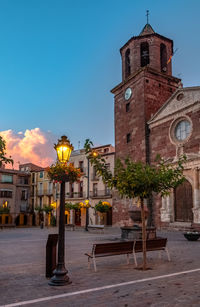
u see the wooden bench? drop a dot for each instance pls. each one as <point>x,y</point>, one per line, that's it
<point>7,226</point>
<point>157,244</point>
<point>127,248</point>
<point>109,249</point>
<point>71,226</point>
<point>97,227</point>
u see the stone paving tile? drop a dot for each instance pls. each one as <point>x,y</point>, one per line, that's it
<point>22,268</point>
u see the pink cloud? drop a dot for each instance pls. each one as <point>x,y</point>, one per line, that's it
<point>35,146</point>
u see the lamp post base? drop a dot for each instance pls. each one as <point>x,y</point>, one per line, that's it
<point>60,277</point>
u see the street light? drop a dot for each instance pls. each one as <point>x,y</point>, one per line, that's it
<point>94,154</point>
<point>60,278</point>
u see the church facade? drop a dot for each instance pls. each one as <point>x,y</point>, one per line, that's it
<point>154,114</point>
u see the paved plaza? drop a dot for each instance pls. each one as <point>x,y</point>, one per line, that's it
<point>23,282</point>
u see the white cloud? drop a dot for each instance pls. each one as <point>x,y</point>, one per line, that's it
<point>35,146</point>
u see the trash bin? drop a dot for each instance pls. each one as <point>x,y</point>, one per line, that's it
<point>51,254</point>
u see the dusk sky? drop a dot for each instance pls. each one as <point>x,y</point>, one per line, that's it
<point>59,59</point>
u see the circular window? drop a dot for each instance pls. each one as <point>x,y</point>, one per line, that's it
<point>182,130</point>
<point>180,96</point>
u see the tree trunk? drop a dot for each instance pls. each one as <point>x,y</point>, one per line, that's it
<point>143,235</point>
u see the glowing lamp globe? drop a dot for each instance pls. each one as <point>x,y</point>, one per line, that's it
<point>63,149</point>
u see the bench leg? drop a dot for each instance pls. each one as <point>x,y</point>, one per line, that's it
<point>94,262</point>
<point>168,255</point>
<point>128,259</point>
<point>135,260</point>
<point>88,262</point>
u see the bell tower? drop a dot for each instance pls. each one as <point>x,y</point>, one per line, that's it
<point>147,83</point>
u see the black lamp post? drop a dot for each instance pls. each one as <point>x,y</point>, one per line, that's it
<point>60,278</point>
<point>88,193</point>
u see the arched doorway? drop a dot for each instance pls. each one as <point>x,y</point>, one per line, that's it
<point>183,202</point>
<point>77,217</point>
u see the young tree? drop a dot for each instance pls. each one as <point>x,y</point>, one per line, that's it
<point>3,158</point>
<point>139,180</point>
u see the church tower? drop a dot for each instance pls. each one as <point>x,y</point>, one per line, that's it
<point>147,83</point>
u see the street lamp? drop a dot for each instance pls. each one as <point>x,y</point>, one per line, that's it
<point>94,154</point>
<point>60,278</point>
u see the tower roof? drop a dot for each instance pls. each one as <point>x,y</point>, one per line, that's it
<point>147,30</point>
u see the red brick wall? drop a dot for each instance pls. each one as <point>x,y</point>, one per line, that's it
<point>158,88</point>
<point>130,122</point>
<point>160,140</point>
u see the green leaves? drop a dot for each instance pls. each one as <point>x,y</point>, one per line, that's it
<point>137,179</point>
<point>3,158</point>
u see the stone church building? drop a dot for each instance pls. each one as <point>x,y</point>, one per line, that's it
<point>155,114</point>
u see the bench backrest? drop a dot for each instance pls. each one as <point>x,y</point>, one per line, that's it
<point>153,244</point>
<point>116,247</point>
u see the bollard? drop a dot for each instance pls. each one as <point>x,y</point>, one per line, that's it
<point>51,254</point>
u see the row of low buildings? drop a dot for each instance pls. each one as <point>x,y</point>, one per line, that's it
<point>28,190</point>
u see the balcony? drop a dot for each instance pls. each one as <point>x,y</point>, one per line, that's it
<point>101,194</point>
<point>44,192</point>
<point>75,195</point>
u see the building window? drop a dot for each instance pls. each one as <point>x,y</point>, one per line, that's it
<point>106,150</point>
<point>128,107</point>
<point>144,53</point>
<point>95,175</point>
<point>128,138</point>
<point>7,178</point>
<point>24,195</point>
<point>95,189</point>
<point>107,190</point>
<point>81,166</point>
<point>182,130</point>
<point>71,190</point>
<point>5,194</point>
<point>40,199</point>
<point>41,174</point>
<point>127,63</point>
<point>163,58</point>
<point>23,180</point>
<point>33,177</point>
<point>81,188</point>
<point>107,166</point>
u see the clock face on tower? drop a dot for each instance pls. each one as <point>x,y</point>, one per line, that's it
<point>128,93</point>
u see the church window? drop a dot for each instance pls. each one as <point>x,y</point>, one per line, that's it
<point>128,107</point>
<point>144,52</point>
<point>180,96</point>
<point>182,130</point>
<point>128,138</point>
<point>163,58</point>
<point>127,63</point>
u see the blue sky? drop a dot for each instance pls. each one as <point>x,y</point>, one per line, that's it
<point>59,59</point>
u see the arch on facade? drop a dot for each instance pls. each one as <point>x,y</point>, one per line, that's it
<point>183,202</point>
<point>144,54</point>
<point>163,58</point>
<point>127,63</point>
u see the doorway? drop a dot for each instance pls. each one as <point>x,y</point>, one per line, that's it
<point>183,202</point>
